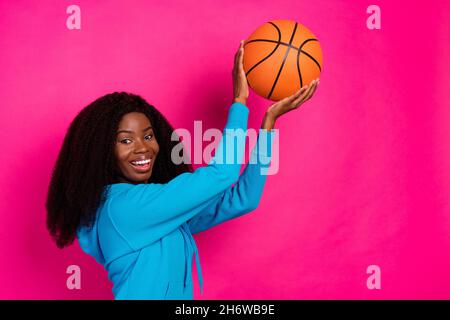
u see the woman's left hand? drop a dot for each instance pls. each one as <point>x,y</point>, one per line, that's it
<point>293,102</point>
<point>288,104</point>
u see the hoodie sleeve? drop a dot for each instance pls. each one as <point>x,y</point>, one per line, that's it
<point>89,242</point>
<point>245,195</point>
<point>144,213</point>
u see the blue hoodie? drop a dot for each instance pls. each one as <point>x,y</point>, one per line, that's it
<point>142,234</point>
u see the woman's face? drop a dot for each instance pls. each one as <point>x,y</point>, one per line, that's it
<point>135,141</point>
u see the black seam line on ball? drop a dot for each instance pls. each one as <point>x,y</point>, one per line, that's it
<point>291,46</point>
<point>298,61</point>
<point>267,57</point>
<point>311,57</point>
<point>284,61</point>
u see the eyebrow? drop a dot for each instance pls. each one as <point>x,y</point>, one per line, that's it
<point>128,131</point>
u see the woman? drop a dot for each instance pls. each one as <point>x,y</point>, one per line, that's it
<point>115,188</point>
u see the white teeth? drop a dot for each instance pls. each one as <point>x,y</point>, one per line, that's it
<point>141,162</point>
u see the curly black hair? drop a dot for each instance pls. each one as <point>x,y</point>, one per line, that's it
<point>86,163</point>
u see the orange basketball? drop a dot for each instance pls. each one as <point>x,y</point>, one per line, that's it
<point>280,57</point>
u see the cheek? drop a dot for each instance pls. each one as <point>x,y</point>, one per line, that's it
<point>120,154</point>
<point>155,147</point>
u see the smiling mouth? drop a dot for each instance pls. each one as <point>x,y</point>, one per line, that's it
<point>142,168</point>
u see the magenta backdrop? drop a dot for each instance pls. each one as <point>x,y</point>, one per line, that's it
<point>364,173</point>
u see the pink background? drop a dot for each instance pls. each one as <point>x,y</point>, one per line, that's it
<point>364,166</point>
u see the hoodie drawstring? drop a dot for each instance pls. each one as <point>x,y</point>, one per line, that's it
<point>190,243</point>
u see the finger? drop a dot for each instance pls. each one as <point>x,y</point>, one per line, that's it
<point>289,100</point>
<point>315,88</point>
<point>298,93</point>
<point>311,87</point>
<point>241,57</point>
<point>306,95</point>
<point>239,50</point>
<point>302,90</point>
<point>310,94</point>
<point>236,56</point>
<point>236,62</point>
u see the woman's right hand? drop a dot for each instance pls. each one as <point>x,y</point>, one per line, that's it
<point>240,85</point>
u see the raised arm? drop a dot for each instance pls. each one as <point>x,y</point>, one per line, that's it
<point>245,195</point>
<point>144,213</point>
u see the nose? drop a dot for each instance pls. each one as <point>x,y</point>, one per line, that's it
<point>140,147</point>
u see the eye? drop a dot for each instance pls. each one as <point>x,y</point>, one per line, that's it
<point>149,135</point>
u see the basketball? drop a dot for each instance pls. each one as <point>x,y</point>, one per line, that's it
<point>280,57</point>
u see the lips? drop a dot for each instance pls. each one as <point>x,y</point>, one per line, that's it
<point>142,158</point>
<point>142,168</point>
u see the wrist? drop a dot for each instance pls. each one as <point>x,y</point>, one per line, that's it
<point>240,100</point>
<point>268,122</point>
